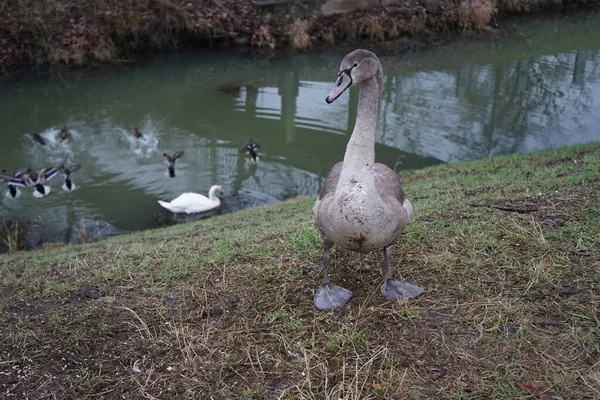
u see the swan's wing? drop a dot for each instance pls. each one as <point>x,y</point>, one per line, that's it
<point>187,199</point>
<point>327,188</point>
<point>330,183</point>
<point>388,183</point>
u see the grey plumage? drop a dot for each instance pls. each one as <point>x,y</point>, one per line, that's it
<point>362,205</point>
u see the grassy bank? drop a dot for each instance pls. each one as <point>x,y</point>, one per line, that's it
<point>84,33</point>
<point>508,249</point>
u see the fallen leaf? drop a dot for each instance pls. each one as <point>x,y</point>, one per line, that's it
<point>377,386</point>
<point>528,387</point>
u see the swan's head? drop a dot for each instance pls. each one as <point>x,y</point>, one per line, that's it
<point>215,189</point>
<point>358,65</point>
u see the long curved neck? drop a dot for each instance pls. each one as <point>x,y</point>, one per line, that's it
<point>360,151</point>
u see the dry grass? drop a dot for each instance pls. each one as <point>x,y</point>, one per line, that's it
<point>222,308</point>
<point>78,33</point>
<point>298,33</point>
<point>12,232</point>
<point>476,15</point>
<point>263,38</point>
<point>372,28</point>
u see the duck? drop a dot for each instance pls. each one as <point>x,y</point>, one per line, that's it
<point>137,133</point>
<point>13,190</point>
<point>35,179</point>
<point>362,205</point>
<point>191,203</point>
<point>64,133</point>
<point>169,161</point>
<point>68,184</point>
<point>252,149</point>
<point>38,138</point>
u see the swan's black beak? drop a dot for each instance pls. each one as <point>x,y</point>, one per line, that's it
<point>344,82</point>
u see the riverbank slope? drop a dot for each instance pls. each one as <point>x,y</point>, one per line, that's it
<point>507,247</point>
<point>75,33</point>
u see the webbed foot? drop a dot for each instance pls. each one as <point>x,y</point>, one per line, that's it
<point>395,289</point>
<point>330,296</point>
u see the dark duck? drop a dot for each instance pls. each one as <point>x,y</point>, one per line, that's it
<point>13,190</point>
<point>169,161</point>
<point>64,133</point>
<point>68,184</point>
<point>34,179</point>
<point>252,149</point>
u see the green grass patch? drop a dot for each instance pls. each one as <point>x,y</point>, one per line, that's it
<point>508,249</point>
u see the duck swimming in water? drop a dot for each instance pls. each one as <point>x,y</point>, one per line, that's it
<point>68,184</point>
<point>64,133</point>
<point>38,138</point>
<point>170,162</point>
<point>13,190</point>
<point>252,149</point>
<point>34,179</point>
<point>362,205</point>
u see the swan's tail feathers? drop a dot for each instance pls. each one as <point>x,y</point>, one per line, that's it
<point>408,208</point>
<point>165,205</point>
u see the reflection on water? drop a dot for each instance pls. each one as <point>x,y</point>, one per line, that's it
<point>470,99</point>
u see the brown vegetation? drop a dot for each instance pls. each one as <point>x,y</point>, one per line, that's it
<point>298,33</point>
<point>11,232</point>
<point>78,33</point>
<point>476,14</point>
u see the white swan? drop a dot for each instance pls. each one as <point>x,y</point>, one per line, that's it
<point>190,203</point>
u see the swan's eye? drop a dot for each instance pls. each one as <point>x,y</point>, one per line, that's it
<point>355,65</point>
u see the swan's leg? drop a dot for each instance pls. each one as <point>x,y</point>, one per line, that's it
<point>330,296</point>
<point>393,288</point>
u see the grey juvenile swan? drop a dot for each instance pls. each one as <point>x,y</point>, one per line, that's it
<point>361,206</point>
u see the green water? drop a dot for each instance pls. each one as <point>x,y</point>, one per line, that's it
<point>536,86</point>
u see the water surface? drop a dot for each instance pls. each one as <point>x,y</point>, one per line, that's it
<point>535,88</point>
